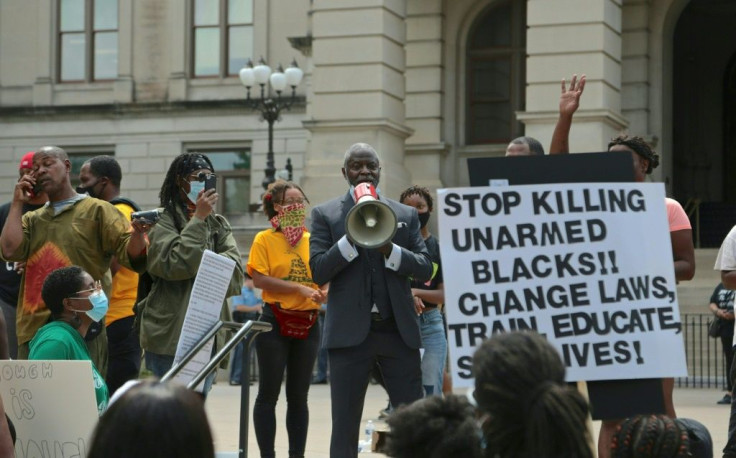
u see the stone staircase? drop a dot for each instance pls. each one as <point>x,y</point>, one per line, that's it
<point>693,295</point>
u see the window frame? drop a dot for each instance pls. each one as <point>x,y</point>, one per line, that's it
<point>89,33</point>
<point>86,153</point>
<point>515,53</point>
<point>223,27</point>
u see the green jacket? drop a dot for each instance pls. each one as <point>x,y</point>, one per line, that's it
<point>173,262</point>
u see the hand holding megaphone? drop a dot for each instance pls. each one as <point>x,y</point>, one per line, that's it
<point>370,223</point>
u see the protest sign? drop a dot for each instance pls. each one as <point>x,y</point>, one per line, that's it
<point>587,265</point>
<point>52,406</point>
<point>203,311</point>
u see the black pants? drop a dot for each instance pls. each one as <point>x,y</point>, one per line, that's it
<point>729,451</point>
<point>350,370</point>
<point>727,342</point>
<point>124,358</point>
<point>276,353</point>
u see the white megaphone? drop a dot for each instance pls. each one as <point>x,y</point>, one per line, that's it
<point>370,223</point>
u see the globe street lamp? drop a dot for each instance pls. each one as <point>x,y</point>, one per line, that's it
<point>269,107</point>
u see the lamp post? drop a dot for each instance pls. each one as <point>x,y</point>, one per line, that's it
<point>269,107</point>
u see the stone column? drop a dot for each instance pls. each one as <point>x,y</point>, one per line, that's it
<point>426,148</point>
<point>43,85</point>
<point>358,92</point>
<point>574,36</point>
<point>178,35</point>
<point>124,84</point>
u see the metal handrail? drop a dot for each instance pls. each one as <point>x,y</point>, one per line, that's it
<point>246,331</point>
<point>704,354</point>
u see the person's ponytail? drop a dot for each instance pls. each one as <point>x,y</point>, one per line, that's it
<point>554,423</point>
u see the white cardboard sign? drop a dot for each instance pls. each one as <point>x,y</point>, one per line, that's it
<point>587,265</point>
<point>203,311</point>
<point>52,405</point>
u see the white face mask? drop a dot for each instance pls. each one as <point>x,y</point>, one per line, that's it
<point>195,187</point>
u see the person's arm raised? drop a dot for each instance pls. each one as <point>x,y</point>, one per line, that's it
<point>569,103</point>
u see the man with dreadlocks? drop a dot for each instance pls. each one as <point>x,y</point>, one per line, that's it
<point>188,226</point>
<point>71,229</point>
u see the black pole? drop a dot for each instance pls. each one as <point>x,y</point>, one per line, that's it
<point>270,109</point>
<point>270,166</point>
<point>245,397</point>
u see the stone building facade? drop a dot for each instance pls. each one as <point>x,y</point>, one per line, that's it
<point>430,83</point>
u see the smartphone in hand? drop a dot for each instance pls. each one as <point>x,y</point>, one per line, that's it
<point>210,182</point>
<point>35,190</point>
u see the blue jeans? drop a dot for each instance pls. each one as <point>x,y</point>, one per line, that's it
<point>277,353</point>
<point>435,351</point>
<point>160,365</point>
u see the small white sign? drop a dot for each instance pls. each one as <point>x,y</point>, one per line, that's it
<point>205,303</point>
<point>52,405</point>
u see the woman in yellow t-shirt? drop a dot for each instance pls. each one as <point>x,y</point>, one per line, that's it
<point>279,265</point>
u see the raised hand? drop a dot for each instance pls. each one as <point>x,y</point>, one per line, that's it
<point>570,98</point>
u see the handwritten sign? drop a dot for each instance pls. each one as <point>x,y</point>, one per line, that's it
<point>587,265</point>
<point>203,311</point>
<point>52,406</point>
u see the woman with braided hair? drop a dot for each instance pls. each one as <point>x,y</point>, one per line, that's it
<point>645,436</point>
<point>527,409</point>
<point>188,226</point>
<point>683,257</point>
<point>649,435</point>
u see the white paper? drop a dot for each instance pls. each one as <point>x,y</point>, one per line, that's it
<point>606,260</point>
<point>52,405</point>
<point>205,303</point>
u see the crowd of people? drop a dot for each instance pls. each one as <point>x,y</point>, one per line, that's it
<point>68,250</point>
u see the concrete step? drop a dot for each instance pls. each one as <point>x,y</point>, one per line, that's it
<point>693,295</point>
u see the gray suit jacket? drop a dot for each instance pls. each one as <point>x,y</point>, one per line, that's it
<point>348,317</point>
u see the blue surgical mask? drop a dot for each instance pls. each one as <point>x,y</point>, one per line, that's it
<point>194,188</point>
<point>99,306</point>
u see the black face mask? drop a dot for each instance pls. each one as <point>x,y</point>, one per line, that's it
<point>89,190</point>
<point>423,219</point>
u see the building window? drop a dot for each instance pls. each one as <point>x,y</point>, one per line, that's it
<point>79,158</point>
<point>496,53</point>
<point>232,167</point>
<point>88,40</point>
<point>222,36</point>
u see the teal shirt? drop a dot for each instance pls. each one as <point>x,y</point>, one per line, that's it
<point>59,341</point>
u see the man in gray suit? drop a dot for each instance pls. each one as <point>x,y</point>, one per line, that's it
<point>371,317</point>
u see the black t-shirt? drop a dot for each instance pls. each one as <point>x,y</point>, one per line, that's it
<point>9,278</point>
<point>433,247</point>
<point>723,298</point>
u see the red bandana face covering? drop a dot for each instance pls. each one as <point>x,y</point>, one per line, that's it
<point>291,221</point>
